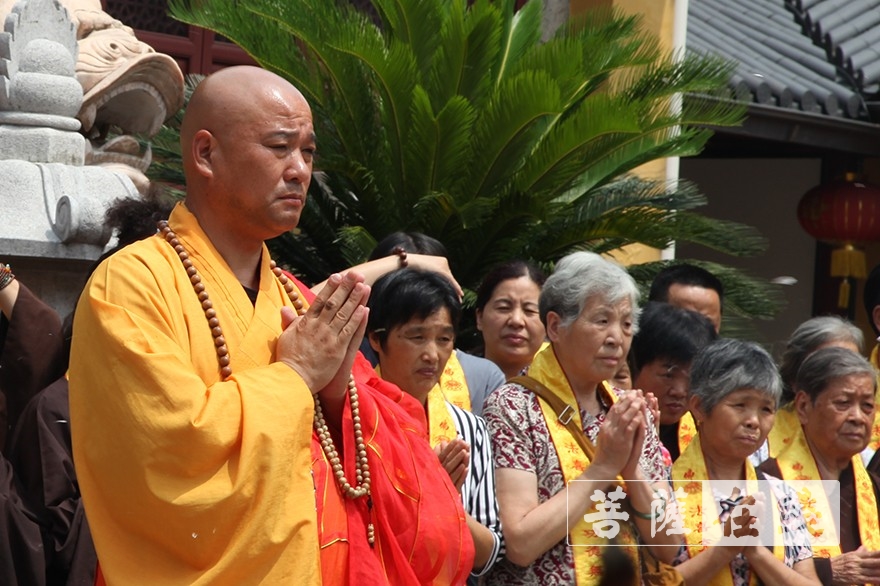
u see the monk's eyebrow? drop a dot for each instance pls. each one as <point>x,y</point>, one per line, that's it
<point>288,134</point>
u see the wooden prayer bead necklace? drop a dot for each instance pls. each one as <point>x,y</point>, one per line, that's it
<point>362,465</point>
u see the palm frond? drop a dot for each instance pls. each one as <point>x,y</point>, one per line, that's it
<point>453,118</point>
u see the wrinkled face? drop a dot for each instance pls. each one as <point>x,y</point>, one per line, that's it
<point>512,329</point>
<point>738,424</point>
<point>262,164</point>
<point>839,424</point>
<point>669,382</point>
<point>594,346</point>
<point>416,353</point>
<point>699,299</point>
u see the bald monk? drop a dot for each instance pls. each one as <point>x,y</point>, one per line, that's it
<point>197,371</point>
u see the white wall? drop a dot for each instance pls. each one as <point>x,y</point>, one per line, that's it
<point>763,193</point>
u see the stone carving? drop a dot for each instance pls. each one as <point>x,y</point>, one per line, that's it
<point>39,97</point>
<point>126,86</point>
<point>48,197</point>
<point>74,83</point>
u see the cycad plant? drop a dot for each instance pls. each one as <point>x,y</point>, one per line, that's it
<point>454,119</point>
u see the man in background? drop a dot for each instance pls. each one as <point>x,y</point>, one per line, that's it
<point>690,287</point>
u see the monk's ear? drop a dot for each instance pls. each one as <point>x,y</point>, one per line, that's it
<point>203,145</point>
<point>554,324</point>
<point>802,406</point>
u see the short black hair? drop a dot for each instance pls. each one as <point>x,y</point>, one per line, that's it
<point>413,242</point>
<point>135,218</point>
<point>402,295</point>
<point>669,332</point>
<point>872,296</point>
<point>683,274</point>
<point>513,269</point>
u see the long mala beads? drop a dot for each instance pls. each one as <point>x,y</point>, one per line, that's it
<point>362,466</point>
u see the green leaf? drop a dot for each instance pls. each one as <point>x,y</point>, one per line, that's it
<point>455,119</point>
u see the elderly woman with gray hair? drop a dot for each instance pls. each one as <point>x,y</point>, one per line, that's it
<point>811,335</point>
<point>565,423</point>
<point>734,390</point>
<point>834,403</point>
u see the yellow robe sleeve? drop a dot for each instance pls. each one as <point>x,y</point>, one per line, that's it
<point>187,479</point>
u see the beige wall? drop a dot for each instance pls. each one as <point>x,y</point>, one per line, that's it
<point>657,18</point>
<point>657,15</point>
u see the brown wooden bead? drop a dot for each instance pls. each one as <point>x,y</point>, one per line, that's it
<point>362,465</point>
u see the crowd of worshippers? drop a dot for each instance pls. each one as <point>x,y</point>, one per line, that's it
<point>230,425</point>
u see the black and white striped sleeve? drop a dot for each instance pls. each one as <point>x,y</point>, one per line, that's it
<point>478,490</point>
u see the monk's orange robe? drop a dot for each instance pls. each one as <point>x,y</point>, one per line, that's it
<point>187,479</point>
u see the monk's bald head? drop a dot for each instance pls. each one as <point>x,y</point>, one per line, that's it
<point>228,98</point>
<point>248,145</point>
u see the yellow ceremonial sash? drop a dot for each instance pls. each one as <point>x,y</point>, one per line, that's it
<point>441,427</point>
<point>687,472</point>
<point>874,444</point>
<point>454,385</point>
<point>786,430</point>
<point>687,429</point>
<point>587,554</point>
<point>796,462</point>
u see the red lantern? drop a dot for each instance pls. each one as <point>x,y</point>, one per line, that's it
<point>843,213</point>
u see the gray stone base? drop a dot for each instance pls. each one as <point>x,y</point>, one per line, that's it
<point>42,145</point>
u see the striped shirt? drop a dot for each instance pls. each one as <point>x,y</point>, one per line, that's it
<point>478,490</point>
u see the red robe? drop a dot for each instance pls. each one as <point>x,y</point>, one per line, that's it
<point>420,526</point>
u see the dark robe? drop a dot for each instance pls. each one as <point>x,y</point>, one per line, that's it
<point>669,438</point>
<point>41,454</point>
<point>850,540</point>
<point>21,547</point>
<point>32,355</point>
